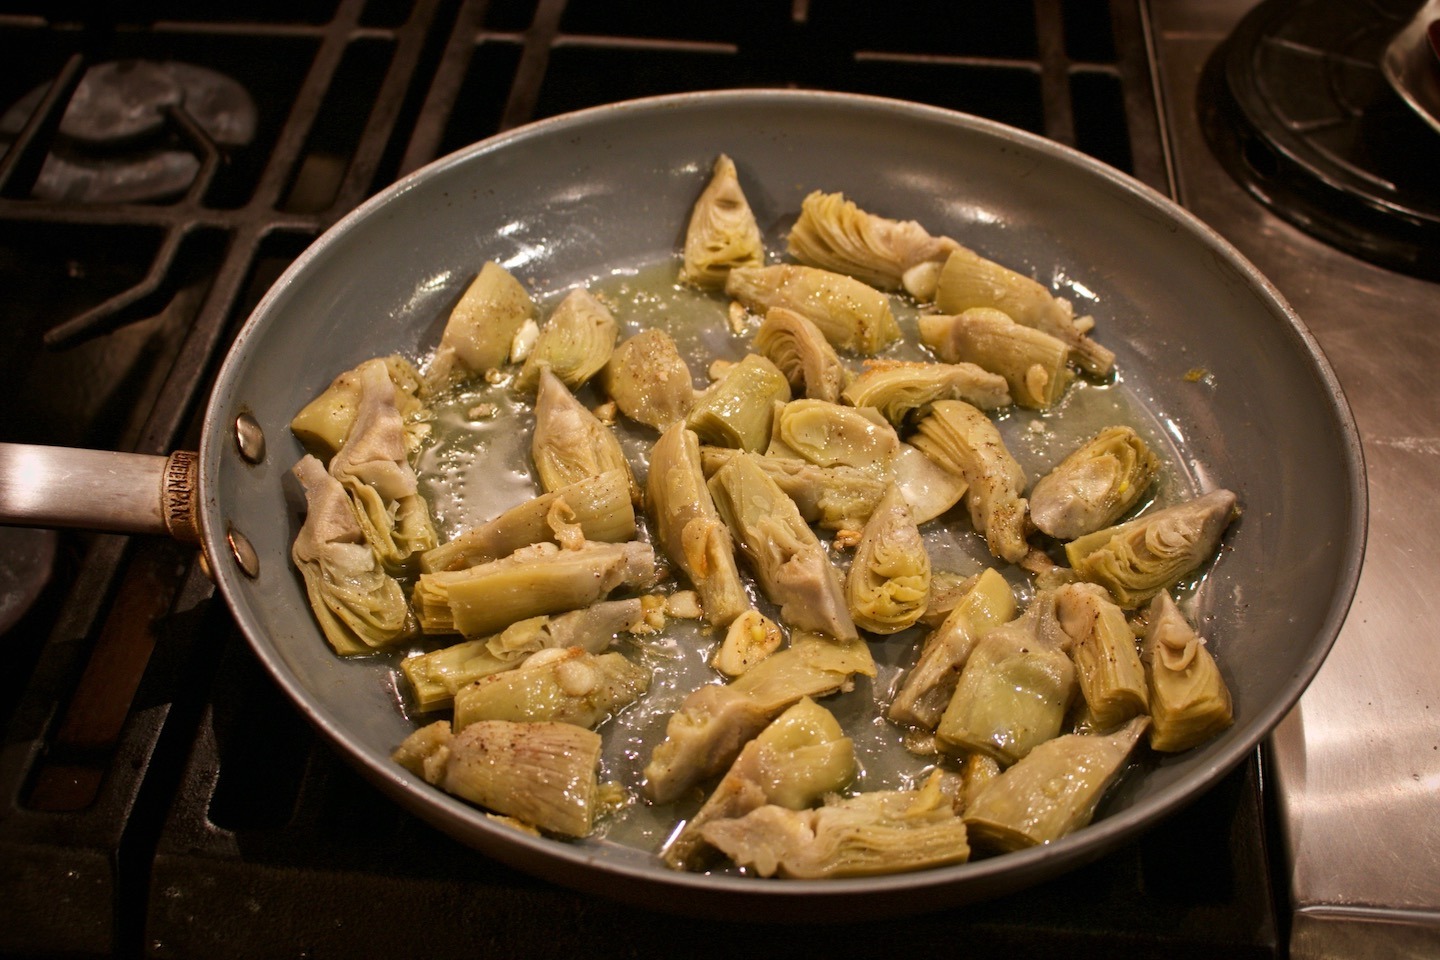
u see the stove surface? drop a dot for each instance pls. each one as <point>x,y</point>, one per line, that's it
<point>1356,767</point>
<point>161,797</point>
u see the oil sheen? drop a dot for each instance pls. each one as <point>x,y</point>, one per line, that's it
<point>477,464</point>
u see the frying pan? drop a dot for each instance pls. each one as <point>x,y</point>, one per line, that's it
<point>1233,380</point>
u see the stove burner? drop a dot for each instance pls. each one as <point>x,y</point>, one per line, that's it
<point>1296,108</point>
<point>116,142</point>
<point>27,558</point>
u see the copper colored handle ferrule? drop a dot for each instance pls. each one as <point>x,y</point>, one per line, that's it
<point>180,495</point>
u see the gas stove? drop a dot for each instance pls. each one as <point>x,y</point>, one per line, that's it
<point>160,168</point>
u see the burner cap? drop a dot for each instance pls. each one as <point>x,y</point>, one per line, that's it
<point>115,143</point>
<point>1296,108</point>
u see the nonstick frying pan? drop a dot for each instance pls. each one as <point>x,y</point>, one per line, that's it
<point>1229,374</point>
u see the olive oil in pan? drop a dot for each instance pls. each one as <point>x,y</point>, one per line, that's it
<point>478,464</point>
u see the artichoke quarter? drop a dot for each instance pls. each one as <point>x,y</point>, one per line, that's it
<point>649,380</point>
<point>715,722</point>
<point>481,327</point>
<point>324,423</point>
<point>1112,679</point>
<point>569,685</point>
<point>688,528</point>
<point>575,343</point>
<point>722,233</point>
<point>436,676</point>
<point>570,443</point>
<point>798,348</point>
<point>852,315</point>
<point>1014,689</point>
<point>1095,485</point>
<point>374,469</point>
<point>533,581</point>
<point>837,498</point>
<point>963,440</point>
<point>542,774</point>
<point>1139,558</point>
<point>788,560</point>
<point>832,435</point>
<point>358,605</point>
<point>1033,363</point>
<point>834,234</point>
<point>1189,701</point>
<point>882,832</point>
<point>968,280</point>
<point>897,388</point>
<point>600,505</point>
<point>889,580</point>
<point>927,689</point>
<point>800,757</point>
<point>1051,792</point>
<point>736,410</point>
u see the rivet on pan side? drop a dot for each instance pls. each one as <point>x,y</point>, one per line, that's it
<point>244,554</point>
<point>249,438</point>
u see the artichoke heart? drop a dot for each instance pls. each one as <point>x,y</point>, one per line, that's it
<point>1014,689</point>
<point>542,774</point>
<point>964,441</point>
<point>898,388</point>
<point>834,234</point>
<point>927,689</point>
<point>1052,792</point>
<point>968,280</point>
<point>649,380</point>
<point>575,343</point>
<point>1032,362</point>
<point>882,832</point>
<point>600,505</point>
<point>798,348</point>
<point>852,315</point>
<point>1112,679</point>
<point>481,327</point>
<point>532,581</point>
<point>713,723</point>
<point>799,758</point>
<point>1095,485</point>
<point>436,676</point>
<point>358,605</point>
<point>689,529</point>
<point>889,580</point>
<point>569,685</point>
<point>789,562</point>
<point>1139,558</point>
<point>1189,701</point>
<point>324,423</point>
<point>570,443</point>
<point>837,498</point>
<point>736,410</point>
<point>831,435</point>
<point>722,232</point>
<point>374,470</point>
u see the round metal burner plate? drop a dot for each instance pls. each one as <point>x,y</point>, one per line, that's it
<point>1296,107</point>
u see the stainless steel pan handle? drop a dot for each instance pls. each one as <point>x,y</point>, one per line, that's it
<point>42,486</point>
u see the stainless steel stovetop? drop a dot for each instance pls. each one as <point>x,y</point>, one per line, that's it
<point>1356,767</point>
